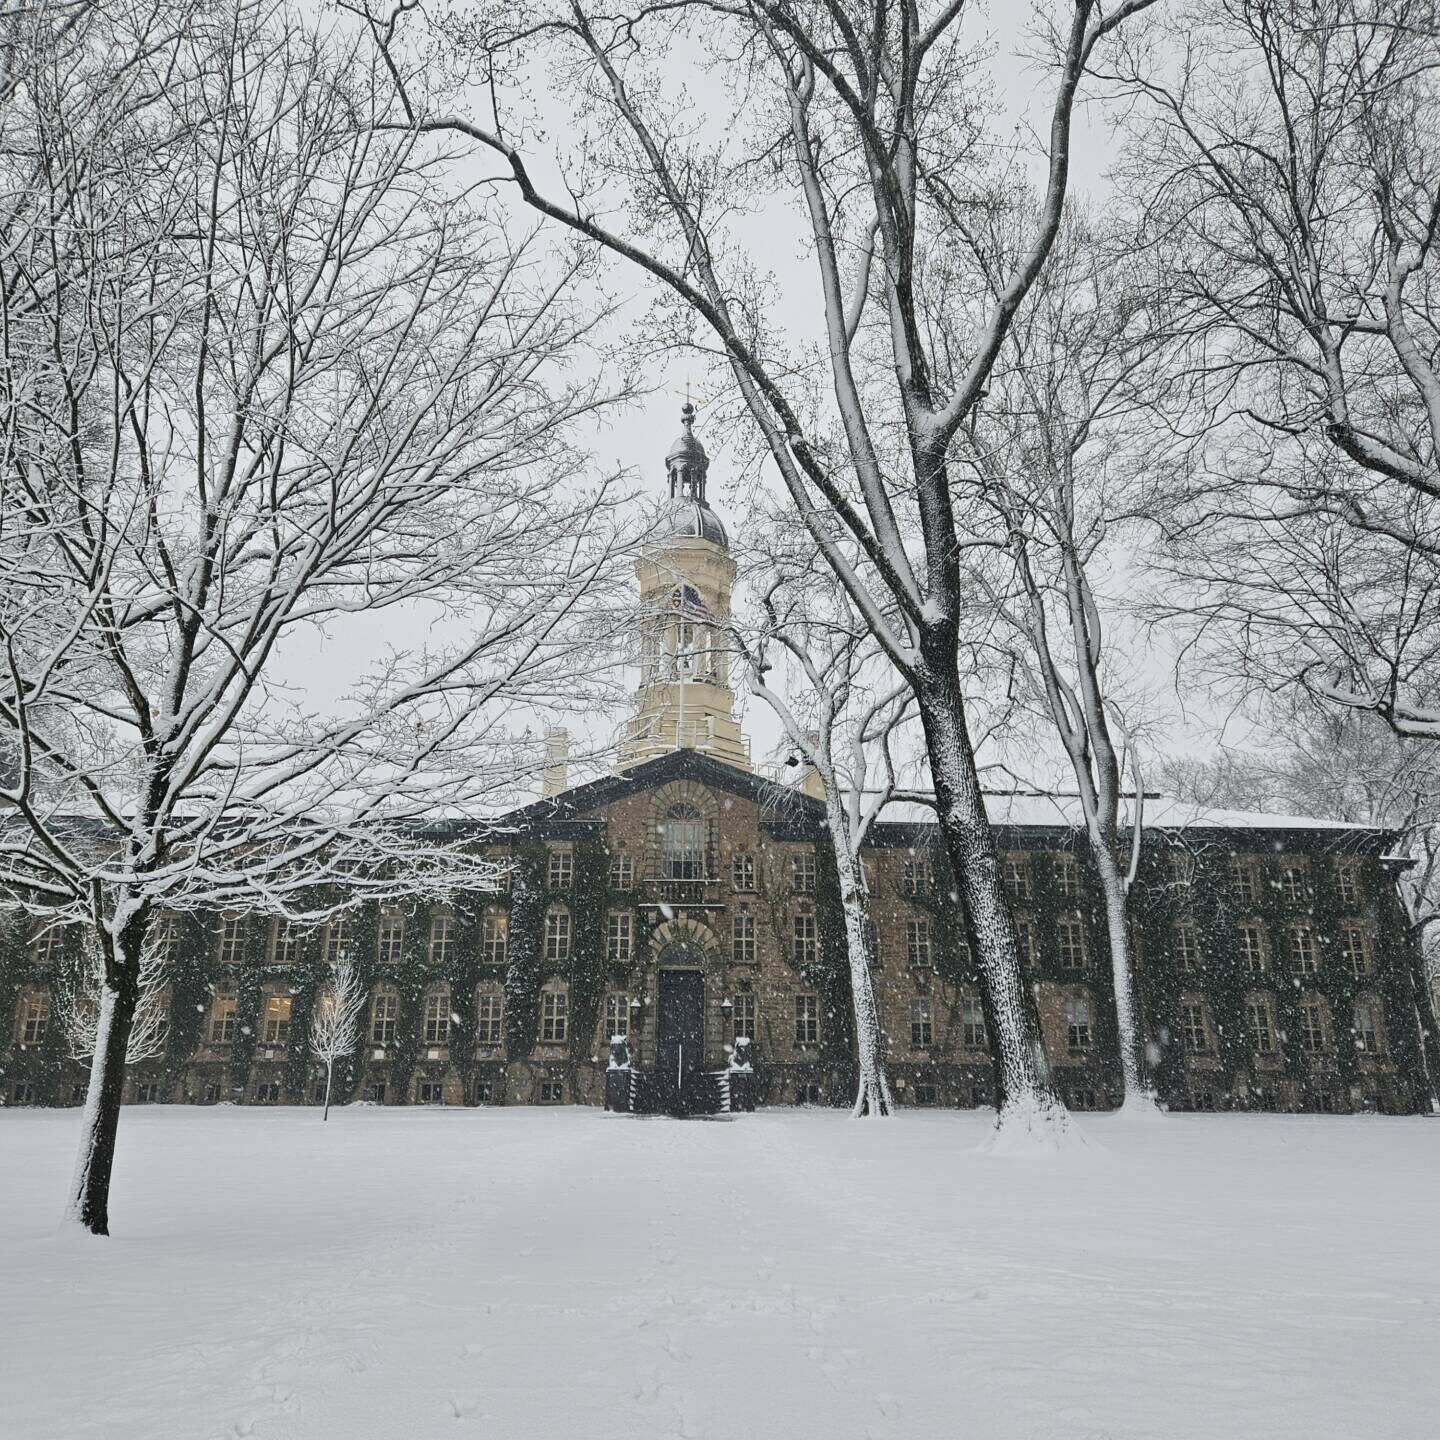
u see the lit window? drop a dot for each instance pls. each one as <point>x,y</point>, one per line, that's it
<point>489,1017</point>
<point>1312,1026</point>
<point>1017,878</point>
<point>917,943</point>
<point>390,938</point>
<point>223,1010</point>
<point>494,937</point>
<point>807,1019</point>
<point>682,844</point>
<point>915,880</point>
<point>1242,881</point>
<point>1369,1027</point>
<point>805,944</point>
<point>384,1013</point>
<point>1355,947</point>
<point>1260,1021</point>
<point>617,1015</point>
<point>1194,1033</point>
<point>437,1018</point>
<point>922,1027</point>
<point>561,869</point>
<point>1078,1034</point>
<point>34,1017</point>
<point>972,1024</point>
<point>742,939</point>
<point>232,939</point>
<point>442,940</point>
<point>802,873</point>
<point>554,1017</point>
<point>742,872</point>
<point>742,1018</point>
<point>1252,948</point>
<point>619,937</point>
<point>622,872</point>
<point>1347,879</point>
<point>284,943</point>
<point>1304,953</point>
<point>557,936</point>
<point>1187,945</point>
<point>1070,940</point>
<point>276,1020</point>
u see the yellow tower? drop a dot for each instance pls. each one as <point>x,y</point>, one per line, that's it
<point>684,701</point>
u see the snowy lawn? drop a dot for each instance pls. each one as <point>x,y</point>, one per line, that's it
<point>520,1274</point>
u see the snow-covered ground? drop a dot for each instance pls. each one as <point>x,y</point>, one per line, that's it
<point>520,1274</point>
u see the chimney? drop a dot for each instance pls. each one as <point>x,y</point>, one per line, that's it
<point>557,761</point>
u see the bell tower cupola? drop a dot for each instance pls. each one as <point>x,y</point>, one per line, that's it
<point>684,700</point>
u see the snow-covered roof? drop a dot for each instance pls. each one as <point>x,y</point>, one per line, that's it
<point>1161,811</point>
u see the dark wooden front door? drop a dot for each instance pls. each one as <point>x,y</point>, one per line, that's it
<point>680,1030</point>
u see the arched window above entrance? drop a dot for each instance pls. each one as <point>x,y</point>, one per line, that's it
<point>682,844</point>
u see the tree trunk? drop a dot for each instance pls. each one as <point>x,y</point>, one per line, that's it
<point>329,1071</point>
<point>1024,1094</point>
<point>90,1188</point>
<point>1138,1096</point>
<point>872,1095</point>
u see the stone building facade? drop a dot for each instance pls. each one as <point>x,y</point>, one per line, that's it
<point>1274,966</point>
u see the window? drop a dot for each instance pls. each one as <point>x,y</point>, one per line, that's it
<point>743,1018</point>
<point>267,1093</point>
<point>1067,876</point>
<point>922,1027</point>
<point>617,1015</point>
<point>1369,1027</point>
<point>1187,945</point>
<point>551,1092</point>
<point>232,939</point>
<point>742,939</point>
<point>390,937</point>
<point>489,1017</point>
<point>442,940</point>
<point>807,1019</point>
<point>1026,941</point>
<point>682,844</point>
<point>484,1092</point>
<point>494,936</point>
<point>275,1023</point>
<point>1347,881</point>
<point>915,880</point>
<point>1070,940</point>
<point>1312,1026</point>
<point>1304,953</point>
<point>34,1017</point>
<point>1260,1022</point>
<point>557,936</point>
<point>45,947</point>
<point>561,869</point>
<point>284,943</point>
<point>437,1018</point>
<point>1180,866</point>
<point>22,1092</point>
<point>622,872</point>
<point>917,944</point>
<point>430,1092</point>
<point>1194,1033</point>
<point>802,873</point>
<point>1355,947</point>
<point>1292,883</point>
<point>742,872</point>
<point>223,1010</point>
<point>1017,878</point>
<point>554,1017</point>
<point>1078,1034</point>
<point>805,945</point>
<point>925,1093</point>
<point>809,1093</point>
<point>336,940</point>
<point>972,1024</point>
<point>384,1013</point>
<point>1252,948</point>
<point>619,937</point>
<point>1242,881</point>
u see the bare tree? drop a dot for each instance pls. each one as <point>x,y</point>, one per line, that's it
<point>866,119</point>
<point>310,399</point>
<point>339,1008</point>
<point>81,995</point>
